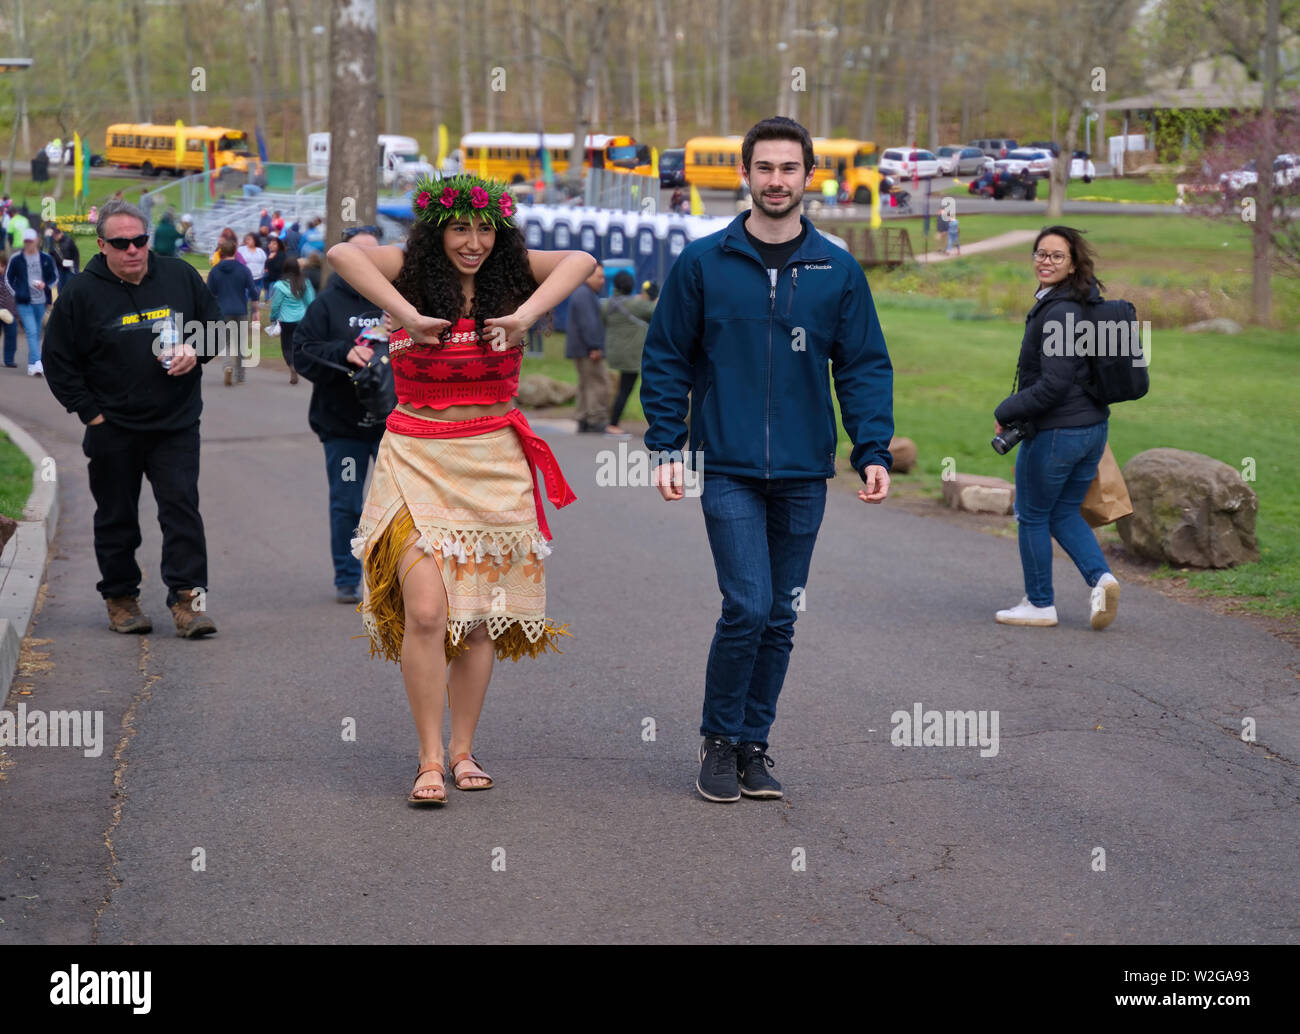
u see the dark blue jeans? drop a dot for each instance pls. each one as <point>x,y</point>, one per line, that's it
<point>1053,472</point>
<point>762,535</point>
<point>346,462</point>
<point>11,342</point>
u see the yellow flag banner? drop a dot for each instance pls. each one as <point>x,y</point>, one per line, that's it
<point>180,143</point>
<point>442,146</point>
<point>697,203</point>
<point>76,165</point>
<point>654,162</point>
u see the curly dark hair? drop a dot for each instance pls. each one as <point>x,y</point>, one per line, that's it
<point>431,283</point>
<point>1080,281</point>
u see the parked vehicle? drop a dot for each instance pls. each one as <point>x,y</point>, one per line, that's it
<point>1051,146</point>
<point>1286,176</point>
<point>672,167</point>
<point>996,147</point>
<point>53,148</point>
<point>398,157</point>
<point>1081,167</point>
<point>955,160</point>
<point>1039,163</point>
<point>906,163</point>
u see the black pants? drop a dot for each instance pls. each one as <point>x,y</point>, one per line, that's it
<point>626,380</point>
<point>170,459</point>
<point>286,343</point>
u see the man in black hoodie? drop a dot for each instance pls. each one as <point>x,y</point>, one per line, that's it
<point>120,353</point>
<point>329,331</point>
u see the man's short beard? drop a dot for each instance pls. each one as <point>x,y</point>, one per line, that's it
<point>795,201</point>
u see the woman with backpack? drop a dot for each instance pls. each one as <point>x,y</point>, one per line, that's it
<point>1063,433</point>
<point>626,321</point>
<point>290,296</point>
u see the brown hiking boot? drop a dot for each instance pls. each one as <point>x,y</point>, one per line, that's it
<point>187,612</point>
<point>124,616</point>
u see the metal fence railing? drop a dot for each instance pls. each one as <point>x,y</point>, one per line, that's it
<point>621,192</point>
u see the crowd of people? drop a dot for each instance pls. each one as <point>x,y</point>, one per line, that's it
<point>39,260</point>
<point>445,549</point>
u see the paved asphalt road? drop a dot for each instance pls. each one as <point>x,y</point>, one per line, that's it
<point>1125,740</point>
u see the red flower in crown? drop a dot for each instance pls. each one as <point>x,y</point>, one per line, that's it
<point>423,200</point>
<point>479,198</point>
<point>449,196</point>
<point>506,205</point>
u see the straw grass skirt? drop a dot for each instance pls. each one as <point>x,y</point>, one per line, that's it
<point>468,504</point>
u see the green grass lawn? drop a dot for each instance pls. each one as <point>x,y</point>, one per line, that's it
<point>1141,191</point>
<point>15,478</point>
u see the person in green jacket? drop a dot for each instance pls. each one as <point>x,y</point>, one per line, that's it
<point>290,296</point>
<point>166,235</point>
<point>627,318</point>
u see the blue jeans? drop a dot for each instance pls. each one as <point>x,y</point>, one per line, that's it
<point>347,495</point>
<point>11,342</point>
<point>762,535</point>
<point>30,316</point>
<point>1053,472</point>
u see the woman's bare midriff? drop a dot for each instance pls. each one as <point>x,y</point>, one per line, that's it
<point>452,413</point>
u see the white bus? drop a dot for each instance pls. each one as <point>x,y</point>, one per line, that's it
<point>399,158</point>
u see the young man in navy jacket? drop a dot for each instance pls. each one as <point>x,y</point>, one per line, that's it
<point>753,322</point>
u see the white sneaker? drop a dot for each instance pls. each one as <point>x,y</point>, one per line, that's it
<point>1025,613</point>
<point>35,370</point>
<point>1105,601</point>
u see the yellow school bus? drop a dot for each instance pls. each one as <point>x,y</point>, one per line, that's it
<point>714,162</point>
<point>152,148</point>
<point>508,156</point>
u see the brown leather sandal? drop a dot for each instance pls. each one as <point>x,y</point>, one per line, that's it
<point>460,759</point>
<point>411,798</point>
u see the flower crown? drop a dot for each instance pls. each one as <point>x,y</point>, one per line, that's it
<point>462,197</point>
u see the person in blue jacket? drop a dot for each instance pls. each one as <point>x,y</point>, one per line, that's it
<point>753,323</point>
<point>32,275</point>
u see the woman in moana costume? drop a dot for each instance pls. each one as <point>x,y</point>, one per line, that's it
<point>452,537</point>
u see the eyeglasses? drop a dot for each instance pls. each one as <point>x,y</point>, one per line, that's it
<point>351,232</point>
<point>122,243</point>
<point>1054,257</point>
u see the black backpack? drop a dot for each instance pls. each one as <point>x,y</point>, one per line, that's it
<point>1119,358</point>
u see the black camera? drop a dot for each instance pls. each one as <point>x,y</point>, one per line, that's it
<point>1008,439</point>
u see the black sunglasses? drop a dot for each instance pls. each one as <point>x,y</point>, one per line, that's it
<point>351,232</point>
<point>122,243</point>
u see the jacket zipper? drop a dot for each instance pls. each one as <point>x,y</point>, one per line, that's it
<point>767,409</point>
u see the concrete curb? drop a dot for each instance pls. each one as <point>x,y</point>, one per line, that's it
<point>22,564</point>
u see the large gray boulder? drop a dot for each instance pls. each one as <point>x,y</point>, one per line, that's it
<point>1189,510</point>
<point>537,391</point>
<point>976,493</point>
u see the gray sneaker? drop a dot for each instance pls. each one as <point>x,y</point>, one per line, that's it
<point>718,779</point>
<point>752,764</point>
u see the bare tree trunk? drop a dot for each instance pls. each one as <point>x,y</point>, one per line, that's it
<point>933,67</point>
<point>1262,289</point>
<point>535,68</point>
<point>436,57</point>
<point>785,96</point>
<point>462,72</point>
<point>187,33</point>
<point>386,42</point>
<point>304,76</point>
<point>635,60</point>
<point>124,42</point>
<point>351,192</point>
<point>1060,177</point>
<point>485,66</point>
<point>258,61</point>
<point>140,40</point>
<point>320,49</point>
<point>724,68</point>
<point>656,87</point>
<point>666,59</point>
<point>20,84</point>
<point>585,87</point>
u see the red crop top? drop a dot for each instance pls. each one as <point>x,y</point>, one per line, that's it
<point>463,371</point>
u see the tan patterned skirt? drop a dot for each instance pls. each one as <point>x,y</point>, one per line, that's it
<point>468,504</point>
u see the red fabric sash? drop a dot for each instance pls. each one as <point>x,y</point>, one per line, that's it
<point>536,451</point>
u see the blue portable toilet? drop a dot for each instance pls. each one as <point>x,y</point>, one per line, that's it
<point>648,253</point>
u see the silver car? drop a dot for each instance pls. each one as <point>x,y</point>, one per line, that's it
<point>955,160</point>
